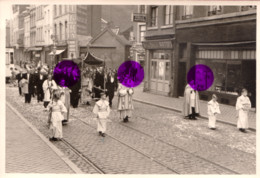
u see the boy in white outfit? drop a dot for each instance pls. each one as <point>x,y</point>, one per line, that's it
<point>213,110</point>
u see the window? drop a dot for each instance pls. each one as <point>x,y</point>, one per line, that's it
<point>60,9</point>
<point>213,10</point>
<point>60,31</point>
<point>66,26</point>
<point>55,10</point>
<point>55,29</point>
<point>168,16</point>
<point>142,9</point>
<point>142,32</point>
<point>187,12</point>
<point>154,15</point>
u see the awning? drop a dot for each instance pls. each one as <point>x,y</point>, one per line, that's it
<point>58,52</point>
<point>90,59</point>
<point>224,44</point>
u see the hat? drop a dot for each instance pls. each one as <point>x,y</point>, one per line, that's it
<point>102,93</point>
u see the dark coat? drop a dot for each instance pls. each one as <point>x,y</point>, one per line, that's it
<point>31,82</point>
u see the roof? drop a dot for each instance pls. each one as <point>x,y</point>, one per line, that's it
<point>119,38</point>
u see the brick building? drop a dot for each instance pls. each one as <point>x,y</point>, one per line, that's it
<point>222,37</point>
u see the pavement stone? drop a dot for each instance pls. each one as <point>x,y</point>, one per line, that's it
<point>236,151</point>
<point>228,113</point>
<point>26,152</point>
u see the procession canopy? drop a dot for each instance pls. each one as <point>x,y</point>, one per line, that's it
<point>90,59</point>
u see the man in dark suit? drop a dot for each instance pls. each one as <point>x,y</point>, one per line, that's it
<point>111,86</point>
<point>19,78</point>
<point>75,94</point>
<point>39,79</point>
<point>29,77</point>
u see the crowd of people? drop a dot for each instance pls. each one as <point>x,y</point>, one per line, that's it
<point>100,85</point>
<point>95,84</point>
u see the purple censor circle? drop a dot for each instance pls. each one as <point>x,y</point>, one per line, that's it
<point>66,73</point>
<point>200,77</point>
<point>130,74</point>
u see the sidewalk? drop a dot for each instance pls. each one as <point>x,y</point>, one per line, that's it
<point>27,152</point>
<point>228,113</point>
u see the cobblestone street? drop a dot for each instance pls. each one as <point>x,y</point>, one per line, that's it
<point>155,141</point>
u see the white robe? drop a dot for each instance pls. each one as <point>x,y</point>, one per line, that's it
<point>58,109</point>
<point>47,94</point>
<point>242,106</point>
<point>102,110</point>
<point>213,109</point>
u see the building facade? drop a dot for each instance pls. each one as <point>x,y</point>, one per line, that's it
<point>221,37</point>
<point>36,29</point>
<point>17,32</point>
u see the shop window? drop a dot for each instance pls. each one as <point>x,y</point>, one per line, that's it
<point>168,16</point>
<point>154,16</point>
<point>154,70</point>
<point>167,71</point>
<point>227,75</point>
<point>187,12</point>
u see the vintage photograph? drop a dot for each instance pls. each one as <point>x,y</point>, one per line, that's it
<point>130,89</point>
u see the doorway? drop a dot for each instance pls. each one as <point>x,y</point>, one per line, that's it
<point>181,78</point>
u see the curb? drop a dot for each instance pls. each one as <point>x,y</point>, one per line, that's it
<point>44,139</point>
<point>179,111</point>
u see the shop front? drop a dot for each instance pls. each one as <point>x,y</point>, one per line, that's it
<point>158,68</point>
<point>234,68</point>
<point>227,44</point>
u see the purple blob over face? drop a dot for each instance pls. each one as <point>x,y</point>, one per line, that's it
<point>66,73</point>
<point>130,74</point>
<point>200,77</point>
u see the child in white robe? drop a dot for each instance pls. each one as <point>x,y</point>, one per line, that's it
<point>102,110</point>
<point>242,106</point>
<point>57,108</point>
<point>213,110</point>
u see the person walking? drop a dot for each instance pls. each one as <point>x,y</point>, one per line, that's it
<point>125,102</point>
<point>75,94</point>
<point>57,109</point>
<point>65,98</point>
<point>39,79</point>
<point>87,85</point>
<point>191,106</point>
<point>243,105</point>
<point>111,86</point>
<point>28,80</point>
<point>102,110</point>
<point>48,86</point>
<point>213,110</point>
<point>19,77</point>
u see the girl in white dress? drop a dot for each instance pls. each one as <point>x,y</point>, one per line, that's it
<point>242,106</point>
<point>213,110</point>
<point>57,108</point>
<point>102,110</point>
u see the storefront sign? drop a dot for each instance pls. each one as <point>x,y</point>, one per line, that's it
<point>158,44</point>
<point>138,17</point>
